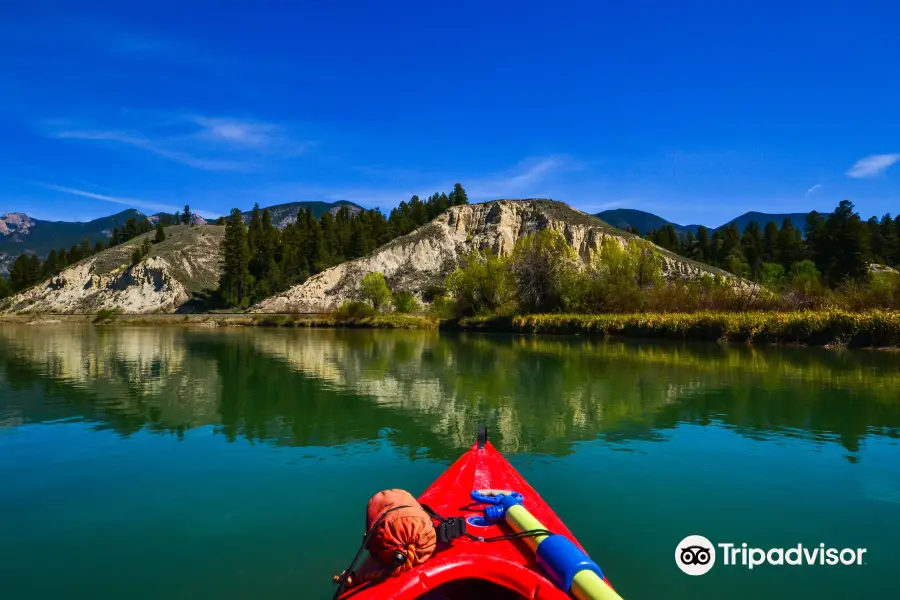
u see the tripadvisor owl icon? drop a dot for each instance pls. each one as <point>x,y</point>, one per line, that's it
<point>695,555</point>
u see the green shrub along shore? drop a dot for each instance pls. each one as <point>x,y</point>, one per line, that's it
<point>873,328</point>
<point>391,321</point>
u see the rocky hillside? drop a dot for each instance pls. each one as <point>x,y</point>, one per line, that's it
<point>187,262</point>
<point>428,254</point>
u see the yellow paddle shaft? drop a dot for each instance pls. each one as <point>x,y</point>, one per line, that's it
<point>586,585</point>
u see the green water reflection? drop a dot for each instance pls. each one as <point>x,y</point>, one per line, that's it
<point>429,391</point>
<point>212,463</point>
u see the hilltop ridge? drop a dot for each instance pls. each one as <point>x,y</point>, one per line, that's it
<point>427,255</point>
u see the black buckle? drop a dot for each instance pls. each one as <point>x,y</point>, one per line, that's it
<point>450,529</point>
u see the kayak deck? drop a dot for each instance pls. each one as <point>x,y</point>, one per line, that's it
<point>469,568</point>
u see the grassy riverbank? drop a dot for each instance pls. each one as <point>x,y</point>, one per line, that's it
<point>873,328</point>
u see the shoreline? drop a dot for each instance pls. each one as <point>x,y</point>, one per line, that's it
<point>227,320</point>
<point>867,329</point>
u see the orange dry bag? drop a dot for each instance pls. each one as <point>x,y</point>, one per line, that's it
<point>402,534</point>
<point>399,536</point>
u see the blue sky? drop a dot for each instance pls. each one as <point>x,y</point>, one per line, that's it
<point>694,111</point>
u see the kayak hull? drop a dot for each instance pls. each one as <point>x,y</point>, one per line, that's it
<point>508,565</point>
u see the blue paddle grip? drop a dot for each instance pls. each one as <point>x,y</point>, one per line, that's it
<point>562,560</point>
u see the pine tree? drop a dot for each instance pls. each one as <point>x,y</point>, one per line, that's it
<point>296,255</point>
<point>186,215</point>
<point>730,253</point>
<point>5,289</point>
<point>51,265</point>
<point>130,231</point>
<point>790,246</point>
<point>816,240</point>
<point>19,278</point>
<point>753,248</point>
<point>691,247</point>
<point>160,233</point>
<point>666,238</point>
<point>399,219</point>
<point>891,242</point>
<point>236,260</point>
<point>418,211</point>
<point>263,265</point>
<point>458,196</point>
<point>33,269</point>
<point>897,234</point>
<point>847,240</point>
<point>703,243</point>
<point>329,246</point>
<point>731,239</point>
<point>770,246</point>
<point>877,241</point>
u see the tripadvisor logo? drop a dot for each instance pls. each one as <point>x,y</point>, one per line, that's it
<point>696,555</point>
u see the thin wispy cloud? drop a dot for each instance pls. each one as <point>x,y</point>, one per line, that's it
<point>534,172</point>
<point>814,189</point>
<point>268,138</point>
<point>208,164</point>
<point>130,202</point>
<point>873,165</point>
<point>524,179</point>
<point>197,141</point>
<point>243,133</point>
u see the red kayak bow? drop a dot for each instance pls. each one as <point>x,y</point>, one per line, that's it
<point>539,567</point>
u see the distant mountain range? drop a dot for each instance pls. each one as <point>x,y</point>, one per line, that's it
<point>20,233</point>
<point>624,218</point>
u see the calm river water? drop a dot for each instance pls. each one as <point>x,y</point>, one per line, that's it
<point>205,463</point>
